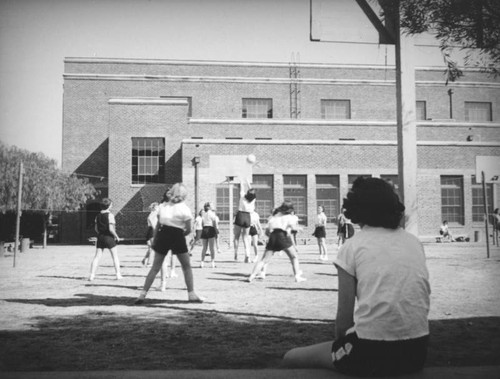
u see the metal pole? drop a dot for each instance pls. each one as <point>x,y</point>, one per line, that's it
<point>231,186</point>
<point>195,161</point>
<point>19,204</point>
<point>450,94</point>
<point>486,226</point>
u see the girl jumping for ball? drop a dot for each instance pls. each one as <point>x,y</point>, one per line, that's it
<point>242,220</point>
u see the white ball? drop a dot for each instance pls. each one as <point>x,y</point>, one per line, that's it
<point>251,159</point>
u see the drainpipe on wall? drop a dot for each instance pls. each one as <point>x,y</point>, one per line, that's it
<point>450,94</point>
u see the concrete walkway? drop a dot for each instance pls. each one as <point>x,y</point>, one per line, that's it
<point>482,372</point>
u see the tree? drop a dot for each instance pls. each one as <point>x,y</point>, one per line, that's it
<point>46,188</point>
<point>470,25</point>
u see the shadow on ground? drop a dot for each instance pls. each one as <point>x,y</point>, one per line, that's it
<point>204,339</point>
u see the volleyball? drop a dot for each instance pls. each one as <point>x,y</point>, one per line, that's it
<point>251,159</point>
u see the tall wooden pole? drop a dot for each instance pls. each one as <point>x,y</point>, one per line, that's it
<point>407,127</point>
<point>19,205</point>
<point>486,223</point>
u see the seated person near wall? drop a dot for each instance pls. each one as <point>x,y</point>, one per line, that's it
<point>445,233</point>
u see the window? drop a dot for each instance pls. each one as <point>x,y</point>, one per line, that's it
<point>478,202</point>
<point>295,190</point>
<point>394,180</point>
<point>264,204</point>
<point>257,108</point>
<point>327,195</point>
<point>452,199</point>
<point>148,160</point>
<point>421,110</point>
<point>222,200</point>
<point>336,109</point>
<point>477,111</point>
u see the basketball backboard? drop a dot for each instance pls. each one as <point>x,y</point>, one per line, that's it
<point>491,168</point>
<point>222,167</point>
<point>347,21</point>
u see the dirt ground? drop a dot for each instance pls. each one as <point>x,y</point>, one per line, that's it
<point>52,318</point>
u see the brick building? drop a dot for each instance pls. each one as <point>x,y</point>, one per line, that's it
<point>134,126</point>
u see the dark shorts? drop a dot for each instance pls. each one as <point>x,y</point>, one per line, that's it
<point>354,356</point>
<point>242,219</point>
<point>253,231</point>
<point>278,240</point>
<point>105,241</point>
<point>208,232</point>
<point>319,232</point>
<point>348,230</point>
<point>170,238</point>
<point>149,233</point>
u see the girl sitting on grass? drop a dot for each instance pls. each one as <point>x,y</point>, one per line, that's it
<point>383,268</point>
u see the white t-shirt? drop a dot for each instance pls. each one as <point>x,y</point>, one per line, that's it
<point>280,221</point>
<point>295,222</point>
<point>153,219</point>
<point>246,206</point>
<point>209,218</point>
<point>321,219</point>
<point>392,283</point>
<point>174,214</point>
<point>254,219</point>
<point>198,224</point>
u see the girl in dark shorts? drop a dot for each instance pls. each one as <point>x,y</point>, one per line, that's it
<point>106,238</point>
<point>198,228</point>
<point>152,220</point>
<point>242,220</point>
<point>345,229</point>
<point>382,270</point>
<point>174,224</point>
<point>278,230</point>
<point>208,233</point>
<point>255,232</point>
<point>320,233</point>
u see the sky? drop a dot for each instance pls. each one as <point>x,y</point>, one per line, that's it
<point>36,36</point>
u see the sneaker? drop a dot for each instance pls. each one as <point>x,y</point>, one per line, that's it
<point>91,278</point>
<point>202,264</point>
<point>251,278</point>
<point>144,262</point>
<point>261,275</point>
<point>119,277</point>
<point>299,279</point>
<point>173,274</point>
<point>247,260</point>
<point>213,264</point>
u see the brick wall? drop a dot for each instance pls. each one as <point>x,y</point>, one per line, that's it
<point>97,132</point>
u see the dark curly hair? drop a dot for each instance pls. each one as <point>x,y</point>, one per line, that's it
<point>251,195</point>
<point>286,208</point>
<point>373,202</point>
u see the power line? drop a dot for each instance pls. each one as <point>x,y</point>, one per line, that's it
<point>66,173</point>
